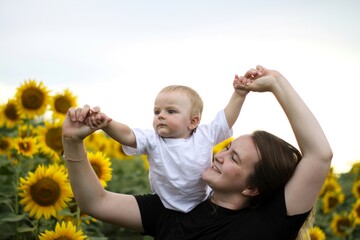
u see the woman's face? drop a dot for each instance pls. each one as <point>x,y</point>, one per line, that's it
<point>232,166</point>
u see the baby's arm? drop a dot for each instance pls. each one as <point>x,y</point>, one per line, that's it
<point>232,110</point>
<point>118,131</point>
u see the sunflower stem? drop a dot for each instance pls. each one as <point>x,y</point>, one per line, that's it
<point>28,125</point>
<point>37,227</point>
<point>16,185</point>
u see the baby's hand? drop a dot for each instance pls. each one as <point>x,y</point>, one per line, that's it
<point>97,120</point>
<point>239,85</point>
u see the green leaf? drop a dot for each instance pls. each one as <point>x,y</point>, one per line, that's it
<point>26,229</point>
<point>13,218</point>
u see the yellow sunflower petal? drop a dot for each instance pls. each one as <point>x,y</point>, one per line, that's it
<point>316,233</point>
<point>63,231</point>
<point>102,166</point>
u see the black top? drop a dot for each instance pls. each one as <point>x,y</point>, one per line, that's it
<point>208,221</point>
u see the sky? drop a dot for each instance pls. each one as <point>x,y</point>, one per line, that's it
<point>119,54</point>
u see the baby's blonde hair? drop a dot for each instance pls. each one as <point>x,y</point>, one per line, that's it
<point>196,102</point>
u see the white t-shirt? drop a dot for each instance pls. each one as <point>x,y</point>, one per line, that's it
<point>176,165</point>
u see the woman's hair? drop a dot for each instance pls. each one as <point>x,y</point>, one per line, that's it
<point>196,102</point>
<point>278,161</point>
<point>308,224</point>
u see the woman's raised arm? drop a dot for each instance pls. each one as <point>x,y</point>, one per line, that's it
<point>302,190</point>
<point>91,197</point>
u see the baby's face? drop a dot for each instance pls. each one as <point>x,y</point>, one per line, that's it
<point>172,115</point>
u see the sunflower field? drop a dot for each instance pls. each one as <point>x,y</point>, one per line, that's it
<point>36,200</point>
<point>338,207</point>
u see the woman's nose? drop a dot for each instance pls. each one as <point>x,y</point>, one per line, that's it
<point>219,157</point>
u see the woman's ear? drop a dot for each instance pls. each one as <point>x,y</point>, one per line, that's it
<point>250,191</point>
<point>195,120</point>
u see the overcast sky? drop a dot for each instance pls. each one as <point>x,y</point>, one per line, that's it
<point>119,54</point>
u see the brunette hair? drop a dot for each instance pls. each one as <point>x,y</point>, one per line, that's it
<point>197,104</point>
<point>278,160</point>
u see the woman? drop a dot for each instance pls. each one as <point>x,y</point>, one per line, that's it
<point>263,188</point>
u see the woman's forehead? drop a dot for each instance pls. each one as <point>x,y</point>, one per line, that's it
<point>241,139</point>
<point>244,146</point>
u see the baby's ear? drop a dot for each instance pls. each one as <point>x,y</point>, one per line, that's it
<point>195,121</point>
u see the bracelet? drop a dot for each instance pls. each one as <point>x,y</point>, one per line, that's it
<point>69,159</point>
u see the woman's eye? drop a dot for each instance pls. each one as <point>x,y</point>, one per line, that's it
<point>233,156</point>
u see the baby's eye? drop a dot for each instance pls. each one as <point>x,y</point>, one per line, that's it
<point>171,111</point>
<point>156,112</point>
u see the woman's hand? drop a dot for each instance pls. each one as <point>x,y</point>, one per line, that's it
<point>260,79</point>
<point>74,126</point>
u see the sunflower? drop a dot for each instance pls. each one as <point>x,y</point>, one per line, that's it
<point>6,145</point>
<point>220,146</point>
<point>32,98</point>
<point>118,152</point>
<point>98,141</point>
<point>331,184</point>
<point>64,231</point>
<point>46,191</point>
<point>316,233</point>
<point>356,211</point>
<point>355,169</point>
<point>26,131</point>
<point>331,200</point>
<point>356,189</point>
<point>26,146</point>
<point>50,139</point>
<point>61,102</point>
<point>9,114</point>
<point>342,225</point>
<point>101,165</point>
